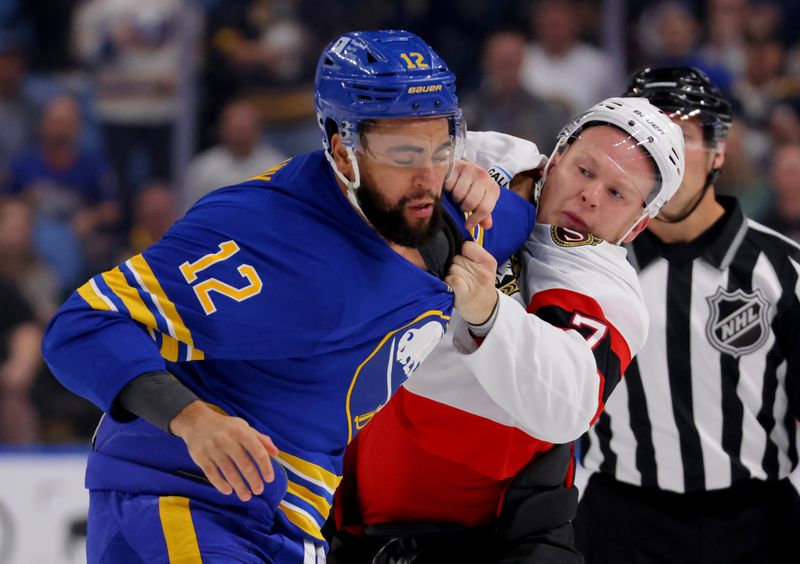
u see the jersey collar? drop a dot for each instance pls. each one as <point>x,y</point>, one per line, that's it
<point>717,245</point>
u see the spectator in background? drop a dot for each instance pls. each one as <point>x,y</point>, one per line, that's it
<point>17,111</point>
<point>793,58</point>
<point>260,49</point>
<point>239,155</point>
<point>676,30</point>
<point>763,84</point>
<point>725,46</point>
<point>558,66</point>
<point>33,405</point>
<point>49,32</point>
<point>19,264</point>
<point>784,124</point>
<point>764,19</point>
<point>133,50</point>
<point>20,359</point>
<point>155,209</point>
<point>784,215</point>
<point>764,93</point>
<point>71,190</point>
<point>458,27</point>
<point>502,104</point>
<point>743,176</point>
<point>668,33</point>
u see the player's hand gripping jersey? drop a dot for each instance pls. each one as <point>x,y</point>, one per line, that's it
<point>452,438</point>
<point>273,296</point>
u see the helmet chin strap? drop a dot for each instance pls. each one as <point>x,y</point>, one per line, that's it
<point>711,178</point>
<point>351,185</point>
<point>632,227</point>
<point>537,188</point>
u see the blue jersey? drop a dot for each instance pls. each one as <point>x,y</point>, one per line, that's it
<point>275,302</point>
<point>87,181</point>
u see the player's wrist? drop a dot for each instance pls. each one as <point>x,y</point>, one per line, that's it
<point>188,417</point>
<point>481,320</point>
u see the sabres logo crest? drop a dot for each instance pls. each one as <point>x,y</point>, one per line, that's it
<point>738,321</point>
<point>395,358</point>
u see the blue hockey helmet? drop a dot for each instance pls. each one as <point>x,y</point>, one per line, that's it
<point>372,75</point>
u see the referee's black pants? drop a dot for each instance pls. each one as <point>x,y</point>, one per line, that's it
<point>754,522</point>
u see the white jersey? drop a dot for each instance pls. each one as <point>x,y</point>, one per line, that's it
<point>473,415</point>
<point>543,372</point>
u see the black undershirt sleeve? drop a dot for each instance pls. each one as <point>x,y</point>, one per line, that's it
<point>438,252</point>
<point>156,397</point>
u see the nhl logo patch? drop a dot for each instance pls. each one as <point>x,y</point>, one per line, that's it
<point>564,237</point>
<point>737,323</point>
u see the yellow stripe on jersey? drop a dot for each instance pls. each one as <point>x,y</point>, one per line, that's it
<point>477,235</point>
<point>152,285</point>
<point>310,471</point>
<point>129,296</point>
<point>322,505</point>
<point>169,348</point>
<point>267,174</point>
<point>176,522</point>
<point>301,519</point>
<point>95,302</point>
<point>477,231</point>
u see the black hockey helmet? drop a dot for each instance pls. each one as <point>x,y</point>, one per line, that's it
<point>685,91</point>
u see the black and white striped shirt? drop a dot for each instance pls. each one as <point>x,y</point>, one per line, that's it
<point>706,403</point>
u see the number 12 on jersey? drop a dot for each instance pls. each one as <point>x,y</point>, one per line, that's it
<point>203,289</point>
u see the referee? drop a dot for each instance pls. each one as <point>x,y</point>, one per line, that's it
<point>692,453</point>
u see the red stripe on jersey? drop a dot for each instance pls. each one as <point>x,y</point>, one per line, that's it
<point>422,460</point>
<point>601,405</point>
<point>570,480</point>
<point>571,301</point>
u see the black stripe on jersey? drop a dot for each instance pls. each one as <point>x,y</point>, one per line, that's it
<point>585,445</point>
<point>608,363</point>
<point>603,430</point>
<point>640,425</point>
<point>765,415</point>
<point>679,298</point>
<point>786,328</point>
<point>740,276</point>
<point>791,425</point>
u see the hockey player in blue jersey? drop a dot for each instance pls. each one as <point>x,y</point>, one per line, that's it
<point>242,352</point>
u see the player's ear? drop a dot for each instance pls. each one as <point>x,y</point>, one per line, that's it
<point>340,157</point>
<point>637,229</point>
<point>719,157</point>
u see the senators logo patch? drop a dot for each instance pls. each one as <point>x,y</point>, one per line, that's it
<point>564,237</point>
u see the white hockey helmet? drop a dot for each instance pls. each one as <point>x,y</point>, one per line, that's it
<point>651,129</point>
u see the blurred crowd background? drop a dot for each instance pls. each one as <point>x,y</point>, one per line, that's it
<point>117,115</point>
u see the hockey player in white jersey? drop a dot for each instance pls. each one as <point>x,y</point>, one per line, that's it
<point>457,455</point>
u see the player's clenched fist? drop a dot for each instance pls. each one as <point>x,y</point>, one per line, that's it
<point>472,188</point>
<point>233,455</point>
<point>472,277</point>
